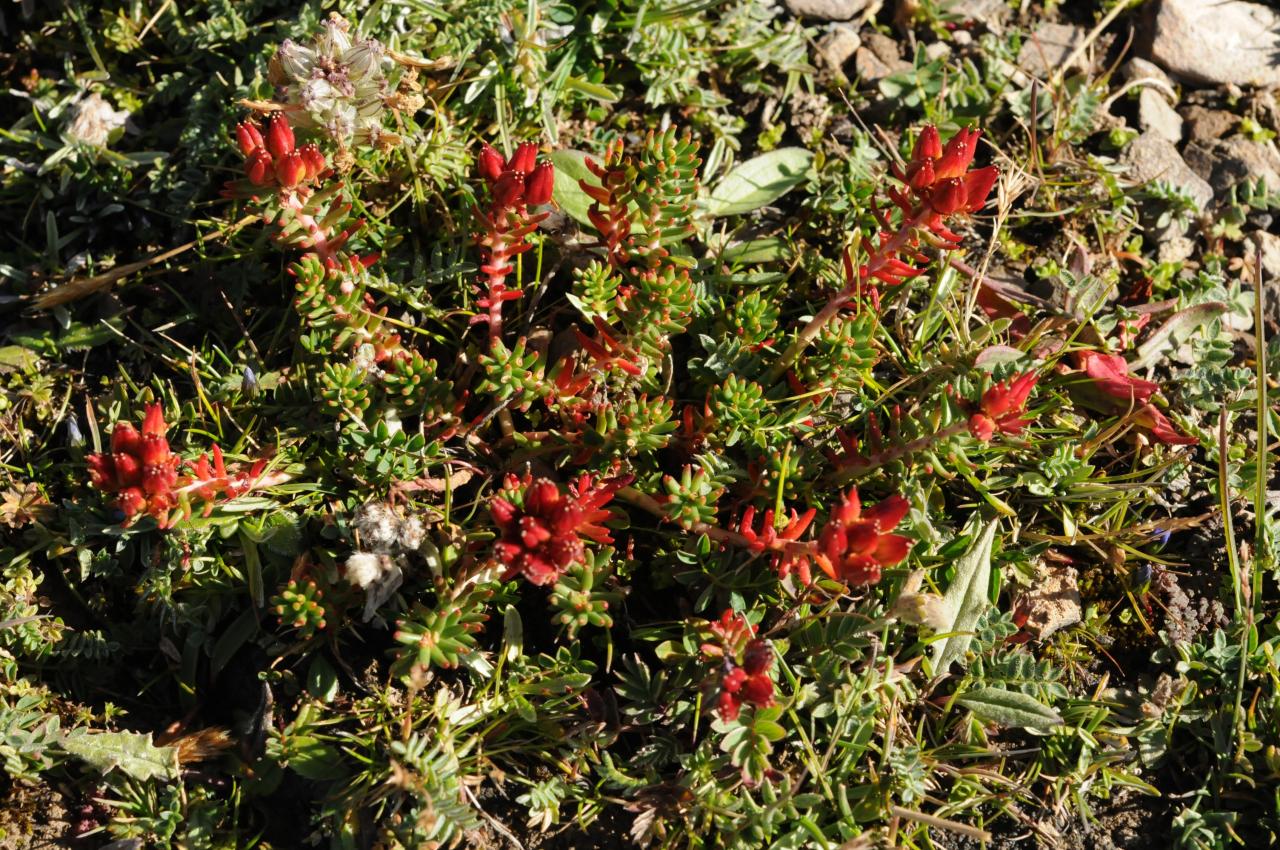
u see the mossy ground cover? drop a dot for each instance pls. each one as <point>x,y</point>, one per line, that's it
<point>660,424</point>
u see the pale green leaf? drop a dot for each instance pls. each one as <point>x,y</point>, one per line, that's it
<point>571,166</point>
<point>1010,709</point>
<point>759,181</point>
<point>966,600</point>
<point>131,752</point>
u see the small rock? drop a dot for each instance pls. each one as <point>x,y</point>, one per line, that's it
<point>1227,162</point>
<point>1204,124</point>
<point>1173,247</point>
<point>835,48</point>
<point>1215,42</point>
<point>827,10</point>
<point>1140,69</point>
<point>1270,244</point>
<point>1048,48</point>
<point>878,58</point>
<point>1052,602</point>
<point>1155,114</point>
<point>1152,157</point>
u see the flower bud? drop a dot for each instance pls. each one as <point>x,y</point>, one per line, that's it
<point>291,170</point>
<point>757,658</point>
<point>279,136</point>
<point>948,196</point>
<point>734,680</point>
<point>728,706</point>
<point>314,161</point>
<point>75,439</point>
<point>293,62</point>
<point>509,190</point>
<point>758,691</point>
<point>977,185</point>
<point>362,58</point>
<point>249,382</point>
<point>128,471</point>
<point>249,137</point>
<point>131,502</point>
<point>159,480</point>
<point>928,146</point>
<point>920,175</point>
<point>524,157</point>
<point>489,163</point>
<point>982,427</point>
<point>155,450</point>
<point>259,168</point>
<point>125,438</point>
<point>538,187</point>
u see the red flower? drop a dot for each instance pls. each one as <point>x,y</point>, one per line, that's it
<point>274,158</point>
<point>519,181</point>
<point>855,544</point>
<point>1110,374</point>
<point>941,177</point>
<point>543,528</point>
<point>1150,417</point>
<point>1002,408</point>
<point>143,473</point>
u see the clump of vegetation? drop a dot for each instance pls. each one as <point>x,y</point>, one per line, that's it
<point>545,441</point>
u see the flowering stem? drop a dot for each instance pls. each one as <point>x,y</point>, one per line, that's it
<point>878,260</point>
<point>721,535</point>
<point>319,237</point>
<point>860,466</point>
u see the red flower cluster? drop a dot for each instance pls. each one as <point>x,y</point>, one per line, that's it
<point>856,544</point>
<point>542,528</point>
<point>276,160</point>
<point>940,177</point>
<point>144,474</point>
<point>749,683</point>
<point>514,185</point>
<point>745,663</point>
<point>519,181</point>
<point>1002,407</point>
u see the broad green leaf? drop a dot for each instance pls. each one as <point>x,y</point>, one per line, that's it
<point>571,166</point>
<point>967,599</point>
<point>759,181</point>
<point>131,752</point>
<point>322,679</point>
<point>1010,708</point>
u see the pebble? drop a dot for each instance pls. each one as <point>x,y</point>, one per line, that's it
<point>1216,42</point>
<point>1047,48</point>
<point>827,10</point>
<point>1155,114</point>
<point>1152,157</point>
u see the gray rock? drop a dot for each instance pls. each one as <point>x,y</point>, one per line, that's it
<point>1215,42</point>
<point>1151,157</point>
<point>827,10</point>
<point>1140,69</point>
<point>1204,124</point>
<point>835,48</point>
<point>1270,244</point>
<point>1048,48</point>
<point>1227,162</point>
<point>878,57</point>
<point>1155,114</point>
